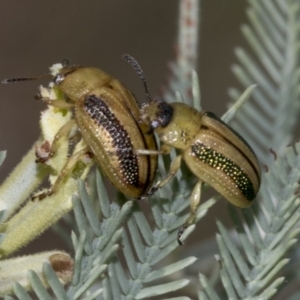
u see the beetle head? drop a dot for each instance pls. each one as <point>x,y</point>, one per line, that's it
<point>156,113</point>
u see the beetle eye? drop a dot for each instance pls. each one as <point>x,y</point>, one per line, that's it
<point>154,124</point>
<point>164,112</point>
<point>58,79</point>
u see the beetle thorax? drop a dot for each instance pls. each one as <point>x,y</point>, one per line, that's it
<point>182,128</point>
<point>77,82</point>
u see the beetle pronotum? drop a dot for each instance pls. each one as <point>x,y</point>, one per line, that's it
<point>107,116</point>
<point>214,152</point>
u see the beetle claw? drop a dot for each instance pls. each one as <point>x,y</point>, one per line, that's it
<point>42,160</point>
<point>181,230</point>
<point>152,190</point>
<point>41,196</point>
<point>149,193</point>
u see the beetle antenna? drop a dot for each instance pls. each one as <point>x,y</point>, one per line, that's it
<point>65,63</point>
<point>139,71</point>
<point>14,80</point>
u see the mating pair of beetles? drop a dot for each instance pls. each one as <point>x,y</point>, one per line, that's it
<point>120,134</point>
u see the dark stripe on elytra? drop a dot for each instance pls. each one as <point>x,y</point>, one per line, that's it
<point>99,111</point>
<point>218,161</point>
<point>213,116</point>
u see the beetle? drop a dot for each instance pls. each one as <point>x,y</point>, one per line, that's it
<point>214,152</point>
<point>107,116</point>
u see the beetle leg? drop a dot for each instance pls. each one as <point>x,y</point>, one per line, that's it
<point>194,204</point>
<point>54,102</point>
<point>164,149</point>
<point>63,131</point>
<point>69,165</point>
<point>73,140</point>
<point>175,165</point>
<point>149,152</point>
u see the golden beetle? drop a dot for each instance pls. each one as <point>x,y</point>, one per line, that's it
<point>213,151</point>
<point>107,116</point>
